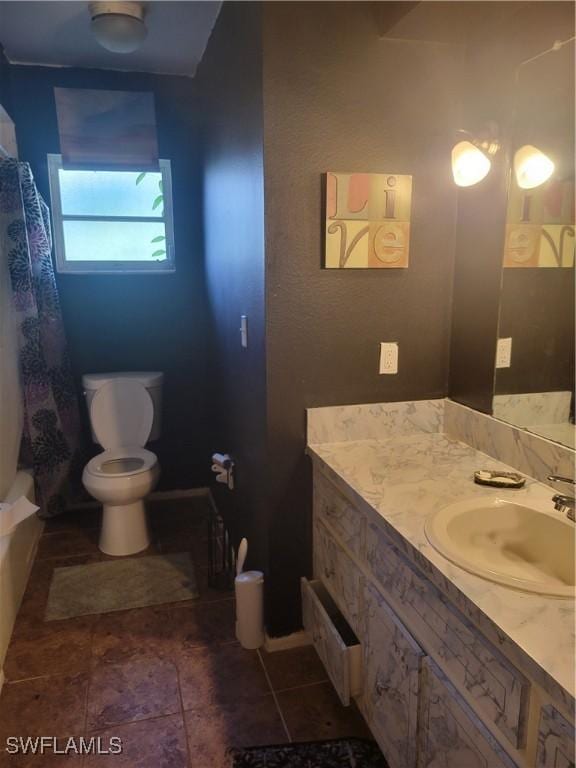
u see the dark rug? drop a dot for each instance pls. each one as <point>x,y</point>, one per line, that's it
<point>338,753</point>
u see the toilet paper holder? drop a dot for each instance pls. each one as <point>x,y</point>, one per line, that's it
<point>223,468</point>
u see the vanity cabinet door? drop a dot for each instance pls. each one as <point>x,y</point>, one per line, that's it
<point>451,735</point>
<point>333,509</point>
<point>555,740</point>
<point>392,663</point>
<point>339,574</point>
<point>499,690</point>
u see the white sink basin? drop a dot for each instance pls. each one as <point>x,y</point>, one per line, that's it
<point>527,547</point>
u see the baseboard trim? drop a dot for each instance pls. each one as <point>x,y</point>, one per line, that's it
<point>185,493</point>
<point>285,643</point>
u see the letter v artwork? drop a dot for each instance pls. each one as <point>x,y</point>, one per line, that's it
<point>367,220</point>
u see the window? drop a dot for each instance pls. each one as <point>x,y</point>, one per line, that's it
<point>112,220</point>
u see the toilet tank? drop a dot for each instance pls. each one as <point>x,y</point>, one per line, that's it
<point>150,380</point>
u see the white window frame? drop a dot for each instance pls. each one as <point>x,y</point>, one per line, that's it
<point>110,267</point>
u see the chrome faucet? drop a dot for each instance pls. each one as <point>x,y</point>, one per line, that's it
<point>562,503</point>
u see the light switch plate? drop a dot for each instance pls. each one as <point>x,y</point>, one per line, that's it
<point>504,353</point>
<point>388,357</point>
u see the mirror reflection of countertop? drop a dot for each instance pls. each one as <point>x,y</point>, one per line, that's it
<point>399,482</point>
<point>561,433</point>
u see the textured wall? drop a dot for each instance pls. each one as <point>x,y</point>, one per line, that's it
<point>337,97</point>
<point>136,322</point>
<point>5,99</point>
<point>230,80</point>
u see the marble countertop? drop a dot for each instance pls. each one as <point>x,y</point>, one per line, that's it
<point>402,480</point>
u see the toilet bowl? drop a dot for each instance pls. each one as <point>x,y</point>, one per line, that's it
<point>121,415</point>
<point>121,479</point>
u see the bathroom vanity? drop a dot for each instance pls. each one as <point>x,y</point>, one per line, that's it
<point>449,669</point>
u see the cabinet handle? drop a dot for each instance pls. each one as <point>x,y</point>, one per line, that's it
<point>381,688</point>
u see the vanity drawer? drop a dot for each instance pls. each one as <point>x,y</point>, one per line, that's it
<point>392,664</point>
<point>333,509</point>
<point>450,733</point>
<point>555,740</point>
<point>338,573</point>
<point>496,689</point>
<point>334,640</point>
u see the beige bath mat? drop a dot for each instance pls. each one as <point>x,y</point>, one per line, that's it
<point>116,585</point>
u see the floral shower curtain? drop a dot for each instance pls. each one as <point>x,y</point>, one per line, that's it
<point>51,429</point>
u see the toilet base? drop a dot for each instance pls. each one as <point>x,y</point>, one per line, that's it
<point>124,529</point>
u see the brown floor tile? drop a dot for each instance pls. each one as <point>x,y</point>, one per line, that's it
<point>315,712</point>
<point>152,549</point>
<point>141,632</point>
<point>47,706</point>
<point>173,515</point>
<point>85,519</point>
<point>67,543</point>
<point>159,743</point>
<point>251,722</point>
<point>135,690</point>
<point>36,594</point>
<point>212,676</point>
<point>293,667</point>
<point>203,624</point>
<point>41,648</point>
<point>46,760</point>
<point>208,593</point>
<point>169,543</point>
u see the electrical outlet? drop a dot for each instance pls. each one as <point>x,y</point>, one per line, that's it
<point>504,353</point>
<point>389,357</point>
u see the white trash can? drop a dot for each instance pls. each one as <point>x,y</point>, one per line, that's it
<point>249,587</point>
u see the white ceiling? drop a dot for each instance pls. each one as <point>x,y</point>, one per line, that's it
<point>58,33</point>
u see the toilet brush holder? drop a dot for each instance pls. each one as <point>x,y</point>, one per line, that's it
<point>249,588</point>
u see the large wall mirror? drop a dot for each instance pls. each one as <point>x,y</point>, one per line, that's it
<point>534,388</point>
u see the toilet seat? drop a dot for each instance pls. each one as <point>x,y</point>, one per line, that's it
<point>121,462</point>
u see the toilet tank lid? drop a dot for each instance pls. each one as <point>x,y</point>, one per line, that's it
<point>146,378</point>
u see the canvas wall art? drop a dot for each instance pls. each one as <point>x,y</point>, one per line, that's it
<point>367,220</point>
<point>540,226</point>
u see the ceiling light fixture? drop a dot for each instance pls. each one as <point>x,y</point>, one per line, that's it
<point>532,167</point>
<point>117,26</point>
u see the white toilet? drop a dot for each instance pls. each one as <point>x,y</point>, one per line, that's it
<point>125,413</point>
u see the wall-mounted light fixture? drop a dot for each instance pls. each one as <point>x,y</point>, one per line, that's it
<point>532,167</point>
<point>471,158</point>
<point>118,26</point>
<point>469,164</point>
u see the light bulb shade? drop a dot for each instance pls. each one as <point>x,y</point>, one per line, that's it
<point>469,164</point>
<point>532,167</point>
<point>118,26</point>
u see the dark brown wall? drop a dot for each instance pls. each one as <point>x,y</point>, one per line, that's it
<point>337,97</point>
<point>230,80</point>
<point>136,322</point>
<point>489,94</point>
<point>537,311</point>
<point>5,99</point>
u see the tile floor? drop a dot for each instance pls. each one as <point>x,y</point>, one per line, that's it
<point>169,680</point>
